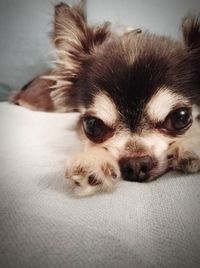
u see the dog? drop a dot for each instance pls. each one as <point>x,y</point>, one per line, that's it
<point>138,95</point>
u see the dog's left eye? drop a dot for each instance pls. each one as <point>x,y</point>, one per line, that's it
<point>95,129</point>
<point>178,120</point>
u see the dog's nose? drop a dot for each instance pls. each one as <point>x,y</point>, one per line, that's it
<point>136,168</point>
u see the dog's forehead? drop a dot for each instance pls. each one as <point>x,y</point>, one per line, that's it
<point>129,77</point>
<point>156,109</point>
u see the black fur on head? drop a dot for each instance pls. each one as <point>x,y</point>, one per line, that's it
<point>133,70</point>
<point>130,69</point>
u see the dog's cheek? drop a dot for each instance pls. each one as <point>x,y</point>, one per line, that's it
<point>186,149</point>
<point>190,141</point>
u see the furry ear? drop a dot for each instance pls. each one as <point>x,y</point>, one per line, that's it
<point>74,41</point>
<point>191,32</point>
<point>70,35</point>
<point>71,32</point>
<point>191,35</point>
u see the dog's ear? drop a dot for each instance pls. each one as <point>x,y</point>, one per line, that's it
<point>71,32</point>
<point>191,35</point>
<point>74,41</point>
<point>191,32</point>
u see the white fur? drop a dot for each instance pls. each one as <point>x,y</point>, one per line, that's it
<point>104,108</point>
<point>162,103</point>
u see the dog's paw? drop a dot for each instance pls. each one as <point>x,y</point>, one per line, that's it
<point>189,163</point>
<point>186,161</point>
<point>92,171</point>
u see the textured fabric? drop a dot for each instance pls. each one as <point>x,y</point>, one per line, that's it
<point>155,224</point>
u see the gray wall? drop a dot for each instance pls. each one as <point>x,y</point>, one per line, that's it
<point>160,16</point>
<point>25,47</point>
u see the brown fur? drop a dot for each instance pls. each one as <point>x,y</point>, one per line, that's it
<point>36,95</point>
<point>131,87</point>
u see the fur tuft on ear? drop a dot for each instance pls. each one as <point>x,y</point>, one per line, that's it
<point>72,32</point>
<point>74,41</point>
<point>191,60</point>
<point>191,31</point>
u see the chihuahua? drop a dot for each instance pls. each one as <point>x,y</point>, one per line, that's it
<point>138,95</point>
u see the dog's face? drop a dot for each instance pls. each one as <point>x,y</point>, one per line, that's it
<point>137,93</point>
<point>133,105</point>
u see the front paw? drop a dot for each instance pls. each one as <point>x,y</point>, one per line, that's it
<point>92,171</point>
<point>186,161</point>
<point>189,163</point>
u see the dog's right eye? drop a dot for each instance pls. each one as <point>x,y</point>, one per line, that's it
<point>95,129</point>
<point>178,121</point>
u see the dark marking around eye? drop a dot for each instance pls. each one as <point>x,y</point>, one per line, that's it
<point>95,129</point>
<point>177,122</point>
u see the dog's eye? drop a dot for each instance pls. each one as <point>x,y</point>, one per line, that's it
<point>95,129</point>
<point>178,120</point>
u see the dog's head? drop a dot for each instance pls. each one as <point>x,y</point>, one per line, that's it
<point>136,92</point>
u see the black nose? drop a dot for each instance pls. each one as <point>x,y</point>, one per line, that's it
<point>136,168</point>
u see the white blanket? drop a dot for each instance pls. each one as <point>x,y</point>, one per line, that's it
<point>155,224</point>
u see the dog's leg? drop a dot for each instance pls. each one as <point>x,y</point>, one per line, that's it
<point>92,171</point>
<point>188,162</point>
<point>185,159</point>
